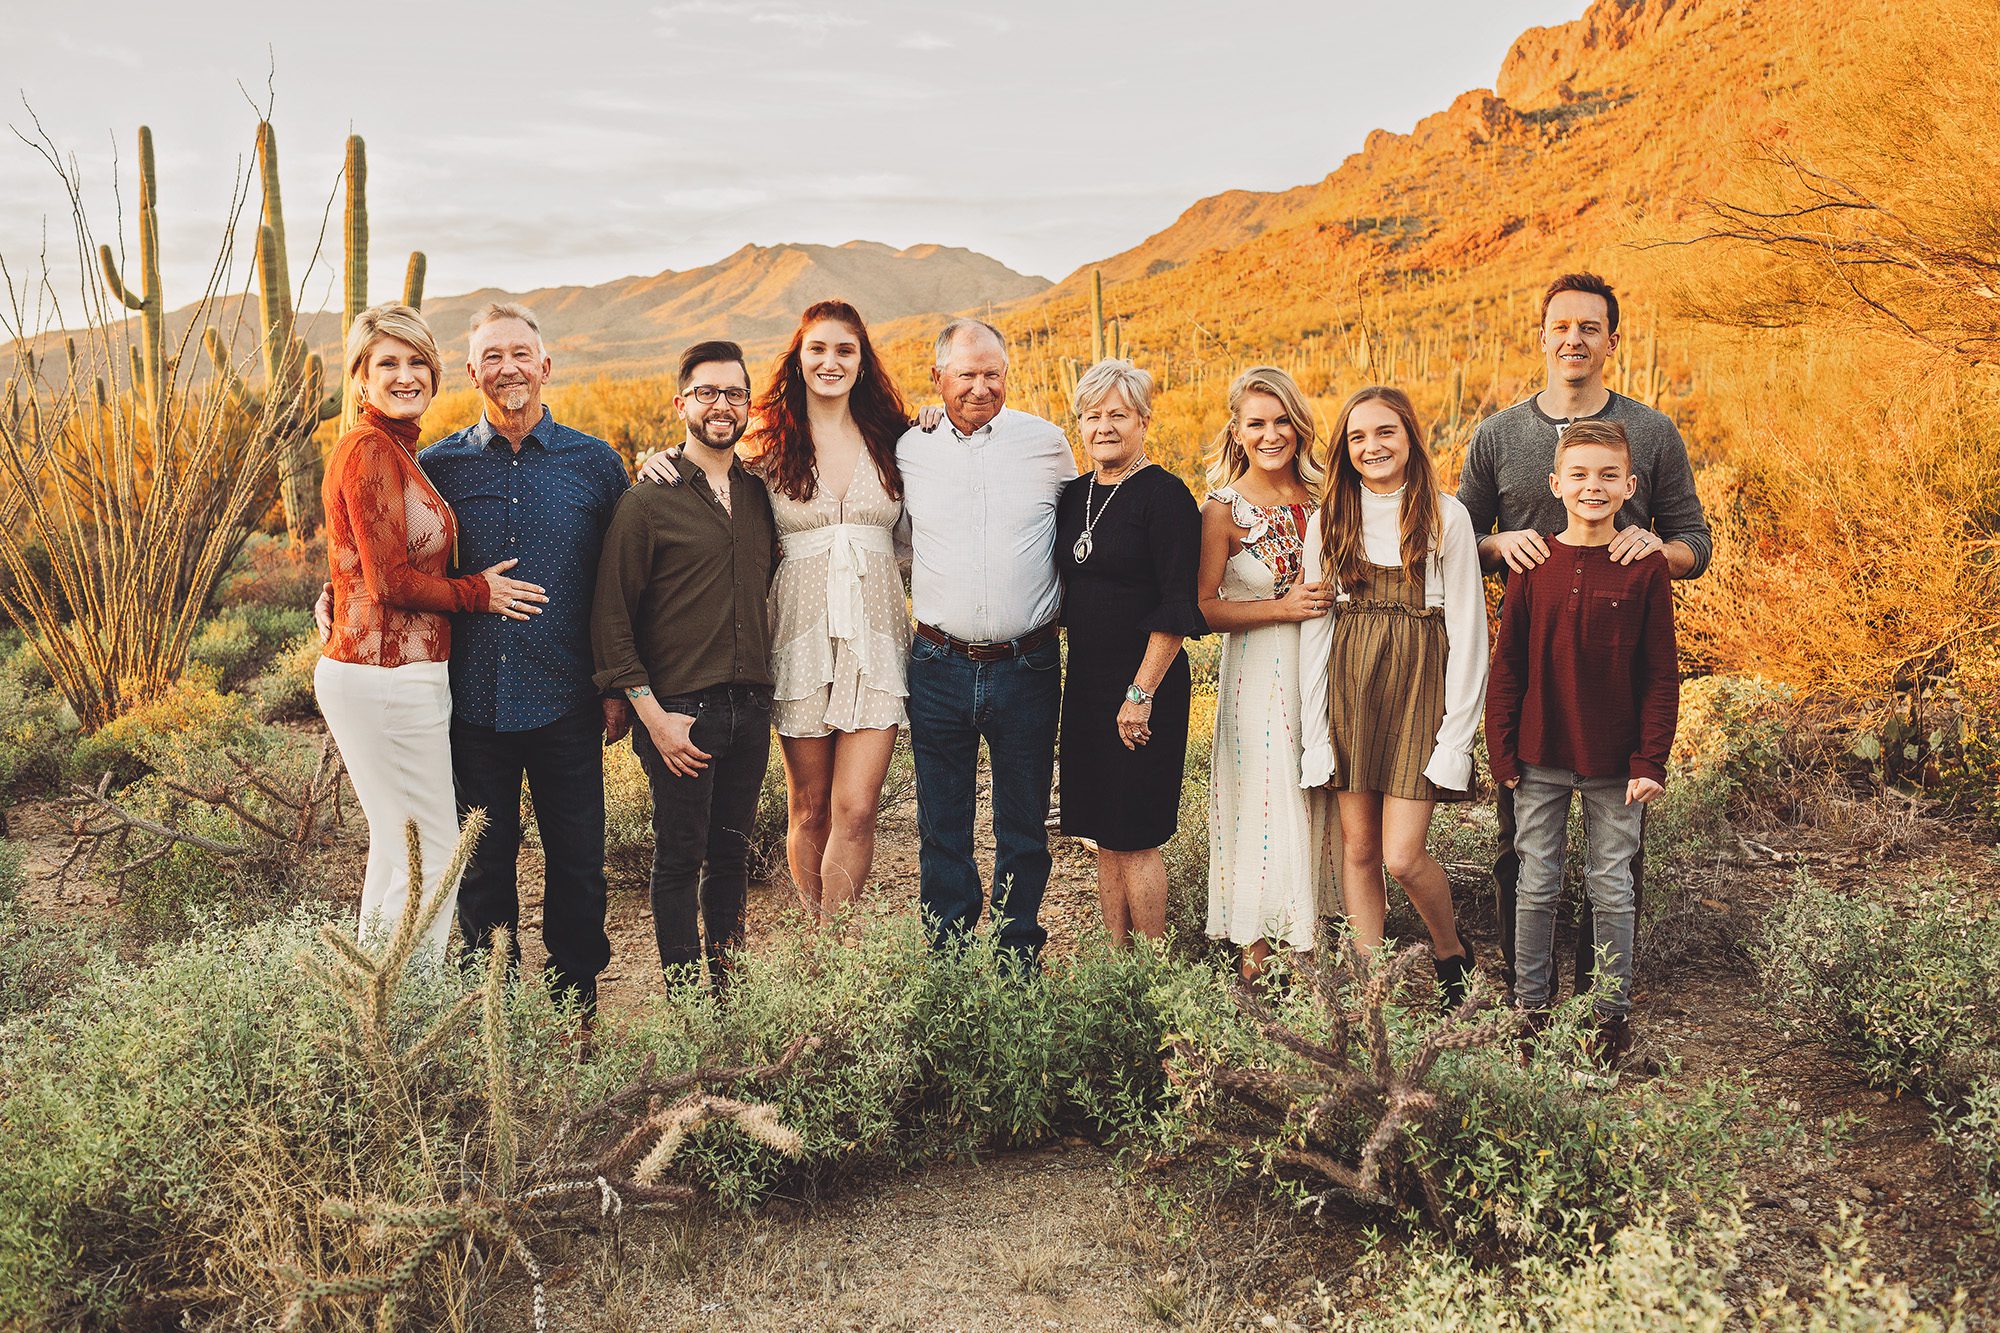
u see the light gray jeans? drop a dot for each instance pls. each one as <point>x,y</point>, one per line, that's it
<point>1611,831</point>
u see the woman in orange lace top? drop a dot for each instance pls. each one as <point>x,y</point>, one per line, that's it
<point>381,679</point>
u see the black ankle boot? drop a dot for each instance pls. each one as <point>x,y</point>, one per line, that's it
<point>1452,976</point>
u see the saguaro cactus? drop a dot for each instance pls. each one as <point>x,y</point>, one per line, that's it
<point>149,359</point>
<point>354,288</point>
<point>1096,316</point>
<point>291,377</point>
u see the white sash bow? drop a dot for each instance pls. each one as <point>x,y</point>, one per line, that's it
<point>850,543</point>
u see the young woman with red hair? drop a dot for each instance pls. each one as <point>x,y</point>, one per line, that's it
<point>823,437</point>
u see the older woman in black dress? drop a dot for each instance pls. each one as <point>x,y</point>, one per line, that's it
<point>1128,540</point>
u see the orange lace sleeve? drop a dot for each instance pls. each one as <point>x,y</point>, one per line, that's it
<point>376,479</point>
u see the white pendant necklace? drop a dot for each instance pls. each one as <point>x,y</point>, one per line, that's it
<point>1084,544</point>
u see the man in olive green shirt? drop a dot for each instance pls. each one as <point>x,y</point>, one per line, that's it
<point>679,626</point>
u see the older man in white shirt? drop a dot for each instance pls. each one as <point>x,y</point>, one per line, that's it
<point>980,493</point>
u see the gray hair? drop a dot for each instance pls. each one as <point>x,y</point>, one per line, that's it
<point>949,335</point>
<point>493,310</point>
<point>1111,376</point>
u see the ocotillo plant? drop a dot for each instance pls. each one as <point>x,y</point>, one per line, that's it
<point>150,359</point>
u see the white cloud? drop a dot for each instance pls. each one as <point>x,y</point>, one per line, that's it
<point>924,41</point>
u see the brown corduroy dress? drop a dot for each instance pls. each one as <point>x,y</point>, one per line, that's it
<point>1386,693</point>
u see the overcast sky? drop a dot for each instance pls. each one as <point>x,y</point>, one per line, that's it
<point>523,145</point>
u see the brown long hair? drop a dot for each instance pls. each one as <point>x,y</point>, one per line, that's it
<point>1342,550</point>
<point>780,444</point>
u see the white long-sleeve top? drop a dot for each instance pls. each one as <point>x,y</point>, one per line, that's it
<point>1452,581</point>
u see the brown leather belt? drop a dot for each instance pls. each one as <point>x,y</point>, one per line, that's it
<point>989,652</point>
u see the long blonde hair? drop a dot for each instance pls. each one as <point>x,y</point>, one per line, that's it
<point>1342,550</point>
<point>1228,461</point>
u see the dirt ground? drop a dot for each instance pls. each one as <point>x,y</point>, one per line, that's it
<point>1068,1238</point>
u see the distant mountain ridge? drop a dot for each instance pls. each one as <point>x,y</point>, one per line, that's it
<point>638,325</point>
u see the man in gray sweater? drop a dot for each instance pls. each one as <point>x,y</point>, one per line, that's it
<point>1505,487</point>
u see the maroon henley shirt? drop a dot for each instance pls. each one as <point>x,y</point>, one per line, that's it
<point>1585,676</point>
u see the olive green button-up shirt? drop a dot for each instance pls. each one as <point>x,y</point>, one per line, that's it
<point>682,585</point>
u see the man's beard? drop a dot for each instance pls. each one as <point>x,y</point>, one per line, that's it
<point>515,397</point>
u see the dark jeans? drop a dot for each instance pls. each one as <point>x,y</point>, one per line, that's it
<point>564,764</point>
<point>702,825</point>
<point>1507,879</point>
<point>1014,705</point>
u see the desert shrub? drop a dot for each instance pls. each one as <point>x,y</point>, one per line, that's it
<point>191,717</point>
<point>238,643</point>
<point>1911,993</point>
<point>1651,1277</point>
<point>1186,853</point>
<point>284,692</point>
<point>183,1119</point>
<point>269,571</point>
<point>1498,1158</point>
<point>628,807</point>
<point>39,959</point>
<point>1733,727</point>
<point>36,728</point>
<point>1528,1160</point>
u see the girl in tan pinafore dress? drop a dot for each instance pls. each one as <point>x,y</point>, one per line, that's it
<point>1395,679</point>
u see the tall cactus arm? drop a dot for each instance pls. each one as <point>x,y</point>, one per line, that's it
<point>413,281</point>
<point>117,285</point>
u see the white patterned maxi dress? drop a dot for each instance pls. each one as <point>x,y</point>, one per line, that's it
<point>1271,847</point>
<point>840,624</point>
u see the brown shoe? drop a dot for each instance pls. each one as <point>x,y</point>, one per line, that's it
<point>1611,1040</point>
<point>1533,1023</point>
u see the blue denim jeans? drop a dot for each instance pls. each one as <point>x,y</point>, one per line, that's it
<point>702,825</point>
<point>1013,705</point>
<point>1612,832</point>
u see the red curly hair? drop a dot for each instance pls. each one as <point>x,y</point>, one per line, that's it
<point>780,444</point>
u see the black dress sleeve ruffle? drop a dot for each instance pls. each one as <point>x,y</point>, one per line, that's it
<point>1173,534</point>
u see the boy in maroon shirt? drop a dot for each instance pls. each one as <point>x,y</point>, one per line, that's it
<point>1583,698</point>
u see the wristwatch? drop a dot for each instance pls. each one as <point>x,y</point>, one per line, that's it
<point>1136,695</point>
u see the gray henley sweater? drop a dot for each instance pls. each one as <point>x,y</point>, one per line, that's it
<point>1505,484</point>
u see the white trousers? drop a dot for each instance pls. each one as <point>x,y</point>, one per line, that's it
<point>393,727</point>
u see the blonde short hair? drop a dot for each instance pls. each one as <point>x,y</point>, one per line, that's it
<point>393,321</point>
<point>1111,376</point>
<point>1229,462</point>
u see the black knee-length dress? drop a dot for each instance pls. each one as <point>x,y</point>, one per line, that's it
<point>1139,579</point>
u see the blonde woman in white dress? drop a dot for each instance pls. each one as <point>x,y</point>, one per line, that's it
<point>823,438</point>
<point>1272,847</point>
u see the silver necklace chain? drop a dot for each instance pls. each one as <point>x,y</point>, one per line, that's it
<point>1085,544</point>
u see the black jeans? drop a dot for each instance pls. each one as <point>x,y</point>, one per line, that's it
<point>702,824</point>
<point>1506,883</point>
<point>564,764</point>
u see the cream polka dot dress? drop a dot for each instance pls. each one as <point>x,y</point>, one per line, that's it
<point>840,622</point>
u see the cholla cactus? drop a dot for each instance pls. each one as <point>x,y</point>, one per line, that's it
<point>593,1160</point>
<point>1352,1073</point>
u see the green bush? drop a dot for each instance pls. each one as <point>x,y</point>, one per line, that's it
<point>179,1120</point>
<point>1733,728</point>
<point>1524,1160</point>
<point>284,692</point>
<point>238,643</point>
<point>191,719</point>
<point>1652,1277</point>
<point>1910,992</point>
<point>36,730</point>
<point>38,959</point>
<point>270,571</point>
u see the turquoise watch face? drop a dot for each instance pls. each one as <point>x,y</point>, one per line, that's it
<point>1137,695</point>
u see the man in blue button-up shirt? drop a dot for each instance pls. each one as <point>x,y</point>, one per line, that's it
<point>522,699</point>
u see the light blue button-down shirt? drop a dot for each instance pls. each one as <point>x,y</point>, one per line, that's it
<point>982,514</point>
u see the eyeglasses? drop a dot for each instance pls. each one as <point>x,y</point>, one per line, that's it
<point>708,393</point>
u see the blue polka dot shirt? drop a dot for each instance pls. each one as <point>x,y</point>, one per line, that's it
<point>548,507</point>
